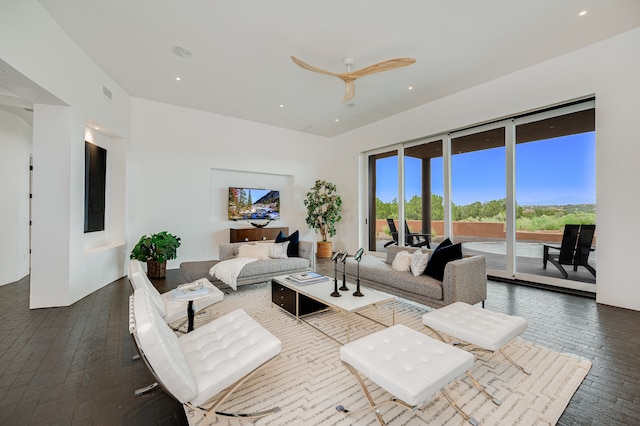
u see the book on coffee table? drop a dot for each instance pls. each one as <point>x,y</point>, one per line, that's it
<point>303,278</point>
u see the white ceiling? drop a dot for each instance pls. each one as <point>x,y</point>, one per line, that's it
<point>241,67</point>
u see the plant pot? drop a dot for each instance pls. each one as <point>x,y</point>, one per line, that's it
<point>156,269</point>
<point>324,250</point>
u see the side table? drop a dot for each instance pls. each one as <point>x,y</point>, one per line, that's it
<point>199,293</point>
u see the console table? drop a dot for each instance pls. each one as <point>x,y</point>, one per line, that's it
<point>255,234</point>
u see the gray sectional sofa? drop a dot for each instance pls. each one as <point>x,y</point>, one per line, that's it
<point>254,272</point>
<point>465,280</point>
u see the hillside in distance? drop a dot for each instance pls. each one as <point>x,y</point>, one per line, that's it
<point>564,208</point>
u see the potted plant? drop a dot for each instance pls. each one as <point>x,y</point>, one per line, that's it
<point>323,212</point>
<point>156,249</point>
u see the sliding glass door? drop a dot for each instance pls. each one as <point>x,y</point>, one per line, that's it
<point>383,199</point>
<point>555,186</point>
<point>423,193</point>
<point>478,193</point>
<point>504,190</point>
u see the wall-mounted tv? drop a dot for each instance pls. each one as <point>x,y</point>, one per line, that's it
<point>253,203</point>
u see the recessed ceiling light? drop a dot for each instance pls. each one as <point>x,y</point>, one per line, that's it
<point>410,87</point>
<point>584,12</point>
<point>178,78</point>
<point>281,106</point>
<point>337,119</point>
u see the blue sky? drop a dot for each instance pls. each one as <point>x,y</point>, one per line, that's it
<point>552,171</point>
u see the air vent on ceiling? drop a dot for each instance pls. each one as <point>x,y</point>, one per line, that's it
<point>106,92</point>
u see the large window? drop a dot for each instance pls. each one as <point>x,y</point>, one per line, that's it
<point>478,191</point>
<point>555,186</point>
<point>383,203</point>
<point>504,190</point>
<point>424,191</point>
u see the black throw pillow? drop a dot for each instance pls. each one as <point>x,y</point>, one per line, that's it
<point>446,243</point>
<point>440,257</point>
<point>294,239</point>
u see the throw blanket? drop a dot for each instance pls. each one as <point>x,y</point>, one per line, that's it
<point>227,271</point>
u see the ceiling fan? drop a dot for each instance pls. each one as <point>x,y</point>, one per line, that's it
<point>350,77</point>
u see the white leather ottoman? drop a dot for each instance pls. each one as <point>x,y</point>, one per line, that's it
<point>481,327</point>
<point>406,363</point>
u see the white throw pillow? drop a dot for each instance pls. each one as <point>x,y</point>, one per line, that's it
<point>278,250</point>
<point>257,251</point>
<point>402,262</point>
<point>419,262</point>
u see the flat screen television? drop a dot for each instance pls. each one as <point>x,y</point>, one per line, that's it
<point>253,203</point>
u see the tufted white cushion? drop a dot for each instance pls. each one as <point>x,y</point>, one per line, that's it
<point>225,350</point>
<point>198,365</point>
<point>406,363</point>
<point>481,327</point>
<point>162,348</point>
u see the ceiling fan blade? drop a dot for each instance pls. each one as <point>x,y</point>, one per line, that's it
<point>382,66</point>
<point>350,90</point>
<point>311,67</point>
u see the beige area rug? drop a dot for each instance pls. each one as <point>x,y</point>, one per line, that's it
<point>307,380</point>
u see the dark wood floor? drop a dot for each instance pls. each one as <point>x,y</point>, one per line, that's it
<point>73,365</point>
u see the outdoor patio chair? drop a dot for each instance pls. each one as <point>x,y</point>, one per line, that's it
<point>583,248</point>
<point>411,239</point>
<point>574,249</point>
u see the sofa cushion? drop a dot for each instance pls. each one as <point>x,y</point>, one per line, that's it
<point>273,266</point>
<point>293,239</point>
<point>277,250</point>
<point>445,243</point>
<point>402,262</point>
<point>419,262</point>
<point>258,251</point>
<point>375,269</point>
<point>392,251</point>
<point>439,259</point>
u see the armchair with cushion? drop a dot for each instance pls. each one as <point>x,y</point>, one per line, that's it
<point>201,369</point>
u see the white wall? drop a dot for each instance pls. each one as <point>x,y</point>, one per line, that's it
<point>171,152</point>
<point>609,70</point>
<point>174,154</point>
<point>15,150</point>
<point>62,270</point>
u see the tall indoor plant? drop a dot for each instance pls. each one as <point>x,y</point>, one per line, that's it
<point>323,212</point>
<point>156,249</point>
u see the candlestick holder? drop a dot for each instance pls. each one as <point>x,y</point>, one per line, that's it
<point>344,273</point>
<point>334,259</point>
<point>357,257</point>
